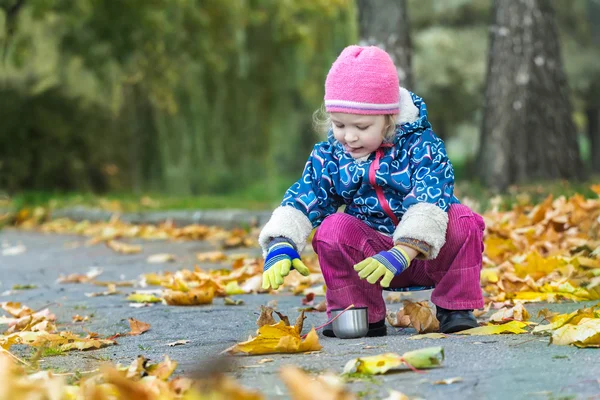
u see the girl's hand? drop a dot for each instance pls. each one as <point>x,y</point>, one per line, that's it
<point>386,264</point>
<point>280,259</point>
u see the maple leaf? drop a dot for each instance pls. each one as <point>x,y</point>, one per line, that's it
<point>278,338</point>
<point>137,327</point>
<point>302,386</point>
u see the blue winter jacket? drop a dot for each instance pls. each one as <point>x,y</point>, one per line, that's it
<point>414,170</point>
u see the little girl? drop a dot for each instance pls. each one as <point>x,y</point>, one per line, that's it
<point>401,223</point>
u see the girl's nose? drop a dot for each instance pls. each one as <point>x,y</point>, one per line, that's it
<point>350,137</point>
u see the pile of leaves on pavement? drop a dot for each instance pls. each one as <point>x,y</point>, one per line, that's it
<point>546,252</point>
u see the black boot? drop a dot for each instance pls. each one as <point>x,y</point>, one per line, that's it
<point>452,321</point>
<point>375,329</point>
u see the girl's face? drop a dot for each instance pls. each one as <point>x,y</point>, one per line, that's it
<point>359,134</point>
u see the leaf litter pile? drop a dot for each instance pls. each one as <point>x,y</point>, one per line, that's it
<point>547,252</point>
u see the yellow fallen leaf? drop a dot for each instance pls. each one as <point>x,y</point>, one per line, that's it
<point>162,370</point>
<point>111,289</point>
<point>137,327</point>
<point>302,386</point>
<point>277,338</point>
<point>161,258</point>
<point>448,381</point>
<point>192,298</point>
<point>585,334</point>
<point>396,395</point>
<point>432,335</point>
<point>80,278</point>
<point>428,357</point>
<point>489,275</point>
<point>265,360</point>
<point>228,301</point>
<point>573,318</point>
<point>123,248</point>
<point>232,288</point>
<point>509,327</point>
<point>211,256</point>
<point>15,309</point>
<point>143,298</point>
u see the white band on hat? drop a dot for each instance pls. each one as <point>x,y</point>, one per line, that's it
<point>359,105</point>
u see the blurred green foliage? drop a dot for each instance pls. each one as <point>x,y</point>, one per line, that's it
<point>189,97</point>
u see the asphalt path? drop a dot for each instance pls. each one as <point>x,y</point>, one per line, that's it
<point>491,367</point>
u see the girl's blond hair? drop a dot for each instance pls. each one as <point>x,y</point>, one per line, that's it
<point>322,123</point>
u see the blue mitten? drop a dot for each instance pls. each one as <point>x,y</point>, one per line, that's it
<point>386,264</point>
<point>281,257</point>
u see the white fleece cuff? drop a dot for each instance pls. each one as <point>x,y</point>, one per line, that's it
<point>288,222</point>
<point>426,222</point>
<point>408,111</point>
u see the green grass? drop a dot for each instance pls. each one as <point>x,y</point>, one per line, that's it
<point>52,351</point>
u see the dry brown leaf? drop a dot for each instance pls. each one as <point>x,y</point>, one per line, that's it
<point>111,289</point>
<point>398,319</point>
<point>192,298</point>
<point>421,316</point>
<point>211,256</point>
<point>547,314</point>
<point>16,309</point>
<point>300,322</point>
<point>516,313</point>
<point>80,278</point>
<point>123,248</point>
<point>265,317</point>
<point>302,386</point>
<point>137,327</point>
<point>79,318</point>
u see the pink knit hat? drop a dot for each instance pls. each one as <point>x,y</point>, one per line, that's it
<point>363,80</point>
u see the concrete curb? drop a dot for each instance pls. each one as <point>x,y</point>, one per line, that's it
<point>227,218</point>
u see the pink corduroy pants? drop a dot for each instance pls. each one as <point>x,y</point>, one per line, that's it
<point>343,241</point>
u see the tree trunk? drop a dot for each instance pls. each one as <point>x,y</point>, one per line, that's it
<point>593,128</point>
<point>384,23</point>
<point>527,131</point>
